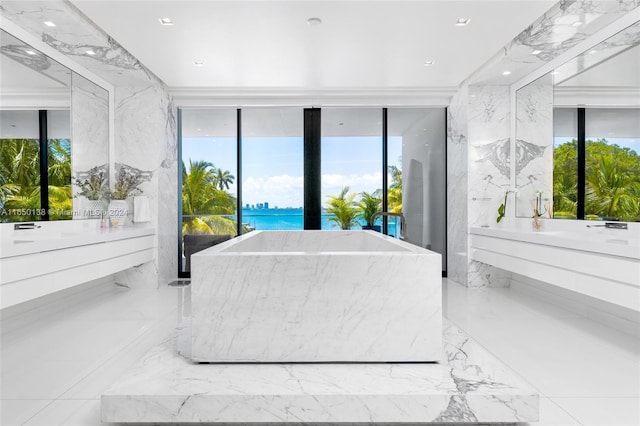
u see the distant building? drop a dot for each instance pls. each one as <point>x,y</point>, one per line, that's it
<point>266,205</point>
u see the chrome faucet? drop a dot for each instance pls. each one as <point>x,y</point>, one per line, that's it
<point>403,222</point>
<point>21,226</point>
<point>610,225</point>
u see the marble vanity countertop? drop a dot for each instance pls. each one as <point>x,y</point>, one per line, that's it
<point>23,242</point>
<point>614,242</point>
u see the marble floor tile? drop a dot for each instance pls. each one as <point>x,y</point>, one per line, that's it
<point>553,415</point>
<point>18,411</point>
<point>588,372</point>
<point>471,385</point>
<point>70,412</point>
<point>603,411</point>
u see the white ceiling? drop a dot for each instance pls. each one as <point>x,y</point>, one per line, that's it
<point>269,44</point>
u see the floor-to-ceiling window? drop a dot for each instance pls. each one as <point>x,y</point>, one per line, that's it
<point>272,168</point>
<point>275,168</point>
<point>208,176</point>
<point>417,174</point>
<point>351,166</point>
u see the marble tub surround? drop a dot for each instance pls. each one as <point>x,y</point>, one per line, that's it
<point>470,385</point>
<point>316,296</point>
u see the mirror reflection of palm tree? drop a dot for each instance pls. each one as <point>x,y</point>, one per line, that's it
<point>20,178</point>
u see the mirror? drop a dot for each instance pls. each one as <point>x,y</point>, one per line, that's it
<point>588,106</point>
<point>42,99</point>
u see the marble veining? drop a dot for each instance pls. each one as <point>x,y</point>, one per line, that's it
<point>534,143</point>
<point>316,296</point>
<point>457,186</point>
<point>551,35</point>
<point>470,385</point>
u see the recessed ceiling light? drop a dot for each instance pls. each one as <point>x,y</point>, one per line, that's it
<point>49,24</point>
<point>30,52</point>
<point>461,22</point>
<point>165,21</point>
<point>506,72</point>
<point>198,63</point>
<point>90,52</point>
<point>577,23</point>
<point>429,63</point>
<point>536,52</point>
<point>314,21</point>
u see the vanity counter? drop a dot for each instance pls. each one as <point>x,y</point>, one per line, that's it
<point>30,241</point>
<point>37,262</point>
<point>601,263</point>
<point>613,242</point>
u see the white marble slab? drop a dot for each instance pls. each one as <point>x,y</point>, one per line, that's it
<point>316,296</point>
<point>469,386</point>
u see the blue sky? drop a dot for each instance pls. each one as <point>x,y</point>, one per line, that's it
<point>273,169</point>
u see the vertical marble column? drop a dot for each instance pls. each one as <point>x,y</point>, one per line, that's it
<point>479,170</point>
<point>489,169</point>
<point>457,185</point>
<point>534,143</point>
<point>146,140</point>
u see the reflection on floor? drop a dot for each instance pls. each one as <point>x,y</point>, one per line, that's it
<point>55,365</point>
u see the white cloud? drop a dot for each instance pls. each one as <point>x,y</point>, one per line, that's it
<point>288,191</point>
<point>281,191</point>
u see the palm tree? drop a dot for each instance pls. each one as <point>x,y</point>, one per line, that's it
<point>369,204</point>
<point>343,209</point>
<point>609,193</point>
<point>59,169</point>
<point>204,206</point>
<point>223,178</point>
<point>394,194</point>
<point>19,176</point>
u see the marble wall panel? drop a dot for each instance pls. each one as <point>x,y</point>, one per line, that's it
<point>146,140</point>
<point>551,35</point>
<point>534,144</point>
<point>457,183</point>
<point>145,118</point>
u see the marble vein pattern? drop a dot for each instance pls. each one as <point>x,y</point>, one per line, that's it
<point>316,296</point>
<point>551,35</point>
<point>470,385</point>
<point>457,186</point>
<point>146,140</point>
<point>489,151</point>
<point>73,35</point>
<point>534,143</point>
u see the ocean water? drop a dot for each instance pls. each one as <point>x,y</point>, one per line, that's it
<point>290,219</point>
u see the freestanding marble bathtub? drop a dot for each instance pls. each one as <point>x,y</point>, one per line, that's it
<point>316,296</point>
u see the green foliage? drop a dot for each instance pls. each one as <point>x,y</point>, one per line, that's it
<point>20,178</point>
<point>204,205</point>
<point>612,175</point>
<point>343,209</point>
<point>369,204</point>
<point>394,195</point>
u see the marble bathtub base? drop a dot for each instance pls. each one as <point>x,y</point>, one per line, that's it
<point>471,386</point>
